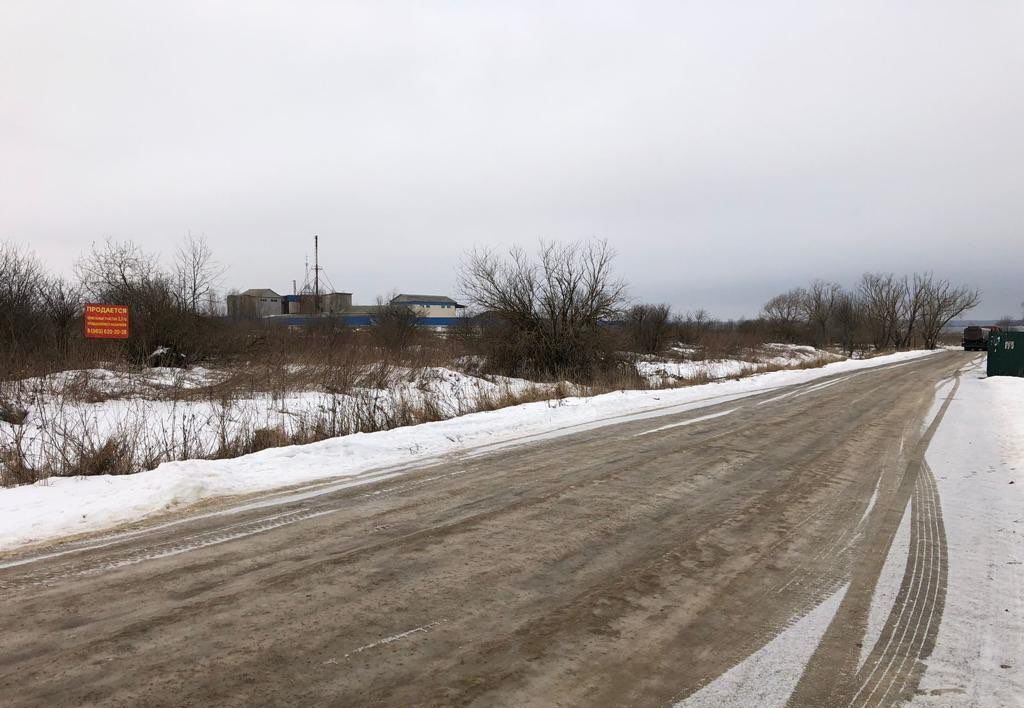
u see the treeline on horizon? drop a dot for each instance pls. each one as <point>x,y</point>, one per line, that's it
<point>559,312</point>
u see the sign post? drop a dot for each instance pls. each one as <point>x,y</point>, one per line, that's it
<point>106,321</point>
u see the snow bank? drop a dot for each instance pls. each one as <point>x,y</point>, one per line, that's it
<point>65,506</point>
<point>977,457</point>
<point>120,382</point>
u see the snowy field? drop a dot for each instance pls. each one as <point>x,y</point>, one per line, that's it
<point>668,372</point>
<point>162,415</point>
<point>133,420</point>
<point>69,505</point>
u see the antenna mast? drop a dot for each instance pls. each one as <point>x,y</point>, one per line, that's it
<point>316,274</point>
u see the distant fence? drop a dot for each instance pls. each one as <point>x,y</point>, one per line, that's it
<point>366,320</point>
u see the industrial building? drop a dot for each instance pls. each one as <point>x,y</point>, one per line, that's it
<point>430,306</point>
<point>306,304</point>
<point>299,309</point>
<point>311,301</point>
<point>255,303</point>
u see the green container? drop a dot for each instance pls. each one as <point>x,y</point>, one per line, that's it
<point>1006,354</point>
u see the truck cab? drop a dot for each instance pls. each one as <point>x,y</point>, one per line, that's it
<point>975,339</point>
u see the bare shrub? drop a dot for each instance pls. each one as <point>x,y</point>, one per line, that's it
<point>121,273</point>
<point>394,326</point>
<point>21,320</point>
<point>112,456</point>
<point>507,397</point>
<point>15,467</point>
<point>12,413</point>
<point>691,327</point>
<point>264,438</point>
<point>544,314</point>
<point>724,340</point>
<point>239,437</point>
<point>648,327</point>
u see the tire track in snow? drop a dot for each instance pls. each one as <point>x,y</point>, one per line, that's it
<point>894,668</point>
<point>131,555</point>
<point>887,588</point>
<point>837,675</point>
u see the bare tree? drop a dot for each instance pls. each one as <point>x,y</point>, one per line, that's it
<point>121,273</point>
<point>21,321</point>
<point>1005,322</point>
<point>196,275</point>
<point>62,302</point>
<point>848,320</point>
<point>819,303</point>
<point>699,318</point>
<point>915,293</point>
<point>37,312</point>
<point>941,302</point>
<point>117,272</point>
<point>692,327</point>
<point>785,314</point>
<point>550,306</point>
<point>883,296</point>
<point>648,327</point>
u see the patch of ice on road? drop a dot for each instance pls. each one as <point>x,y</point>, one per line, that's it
<point>884,597</point>
<point>977,457</point>
<point>768,677</point>
<point>64,506</point>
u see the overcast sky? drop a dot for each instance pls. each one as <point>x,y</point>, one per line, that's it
<point>727,150</point>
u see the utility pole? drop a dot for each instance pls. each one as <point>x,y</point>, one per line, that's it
<point>316,274</point>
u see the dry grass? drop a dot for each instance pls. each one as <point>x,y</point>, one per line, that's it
<point>12,413</point>
<point>14,467</point>
<point>361,386</point>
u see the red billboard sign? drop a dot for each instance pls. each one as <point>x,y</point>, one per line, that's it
<point>106,321</point>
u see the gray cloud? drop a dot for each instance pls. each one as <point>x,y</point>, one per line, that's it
<point>727,150</point>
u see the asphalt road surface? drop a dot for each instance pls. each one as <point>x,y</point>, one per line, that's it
<point>630,564</point>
